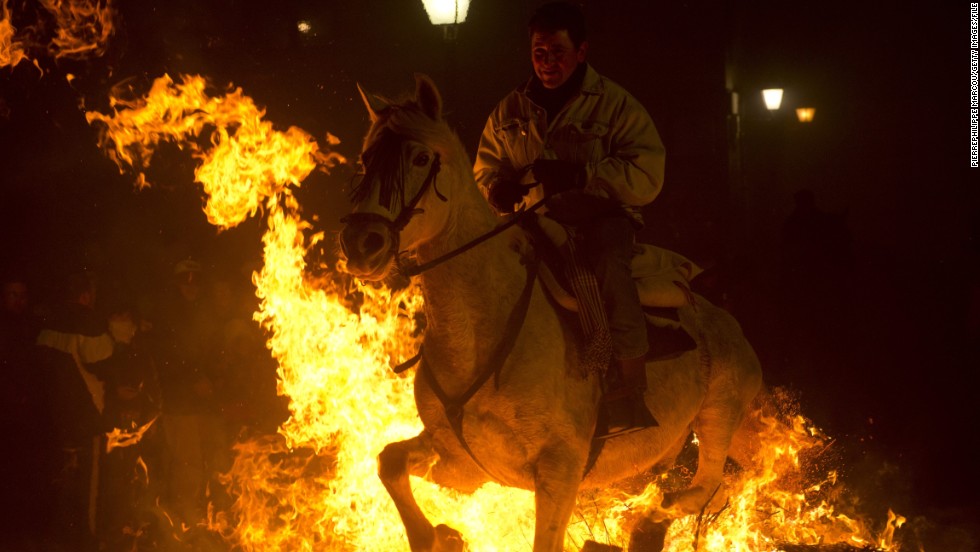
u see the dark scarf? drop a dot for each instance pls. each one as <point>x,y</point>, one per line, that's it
<point>553,99</point>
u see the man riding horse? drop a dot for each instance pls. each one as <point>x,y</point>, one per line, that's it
<point>598,159</point>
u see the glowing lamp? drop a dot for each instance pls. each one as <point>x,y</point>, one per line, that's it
<point>446,12</point>
<point>805,114</point>
<point>773,97</point>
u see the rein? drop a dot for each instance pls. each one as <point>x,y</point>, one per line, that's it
<point>395,227</point>
<point>418,269</point>
<point>454,406</point>
<point>516,218</point>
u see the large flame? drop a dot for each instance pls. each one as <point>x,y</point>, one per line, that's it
<point>314,485</point>
<point>243,160</point>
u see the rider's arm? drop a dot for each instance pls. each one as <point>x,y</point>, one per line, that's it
<point>633,172</point>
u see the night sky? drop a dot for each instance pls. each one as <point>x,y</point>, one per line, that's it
<point>887,361</point>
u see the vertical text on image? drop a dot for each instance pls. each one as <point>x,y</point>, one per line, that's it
<point>974,78</point>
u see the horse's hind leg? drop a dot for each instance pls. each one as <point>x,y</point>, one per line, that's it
<point>714,427</point>
<point>395,463</point>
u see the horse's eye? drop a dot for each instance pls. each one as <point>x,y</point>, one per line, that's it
<point>421,160</point>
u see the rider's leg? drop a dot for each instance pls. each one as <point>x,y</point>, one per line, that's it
<point>608,245</point>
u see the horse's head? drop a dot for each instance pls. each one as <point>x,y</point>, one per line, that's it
<point>408,171</point>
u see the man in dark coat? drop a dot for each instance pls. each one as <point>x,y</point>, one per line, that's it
<point>72,348</point>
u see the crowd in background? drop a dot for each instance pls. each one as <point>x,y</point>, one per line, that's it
<point>185,364</point>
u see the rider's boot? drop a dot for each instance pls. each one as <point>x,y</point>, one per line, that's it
<point>624,407</point>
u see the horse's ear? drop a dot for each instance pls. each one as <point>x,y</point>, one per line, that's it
<point>374,104</point>
<point>428,97</point>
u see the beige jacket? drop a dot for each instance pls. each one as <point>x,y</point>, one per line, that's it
<point>603,127</point>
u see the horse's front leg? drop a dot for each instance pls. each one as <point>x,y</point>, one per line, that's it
<point>558,473</point>
<point>395,463</point>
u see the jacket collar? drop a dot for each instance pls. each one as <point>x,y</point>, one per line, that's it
<point>591,84</point>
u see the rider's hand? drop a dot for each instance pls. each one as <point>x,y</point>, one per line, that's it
<point>504,193</point>
<point>558,176</point>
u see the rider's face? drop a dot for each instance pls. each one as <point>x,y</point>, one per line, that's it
<point>555,57</point>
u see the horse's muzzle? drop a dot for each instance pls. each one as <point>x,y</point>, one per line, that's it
<point>369,247</point>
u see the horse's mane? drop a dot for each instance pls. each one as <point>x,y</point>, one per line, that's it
<point>382,149</point>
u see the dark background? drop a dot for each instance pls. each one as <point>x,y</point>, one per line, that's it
<point>880,342</point>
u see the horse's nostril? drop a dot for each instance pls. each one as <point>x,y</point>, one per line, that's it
<point>372,243</point>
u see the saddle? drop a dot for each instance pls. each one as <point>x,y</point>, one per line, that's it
<point>662,280</point>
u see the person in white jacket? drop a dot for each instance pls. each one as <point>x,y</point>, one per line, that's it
<point>580,140</point>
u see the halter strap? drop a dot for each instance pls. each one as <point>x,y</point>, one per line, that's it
<point>407,211</point>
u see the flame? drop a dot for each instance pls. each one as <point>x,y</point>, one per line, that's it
<point>244,160</point>
<point>777,502</point>
<point>313,485</point>
<point>12,49</point>
<point>119,438</point>
<point>82,27</point>
<point>82,30</point>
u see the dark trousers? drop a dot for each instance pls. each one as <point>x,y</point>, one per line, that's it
<point>74,487</point>
<point>606,243</point>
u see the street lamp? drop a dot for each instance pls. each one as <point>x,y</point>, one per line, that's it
<point>448,14</point>
<point>805,114</point>
<point>773,97</point>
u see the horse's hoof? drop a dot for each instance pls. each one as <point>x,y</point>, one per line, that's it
<point>447,539</point>
<point>593,546</point>
<point>649,536</point>
<point>694,500</point>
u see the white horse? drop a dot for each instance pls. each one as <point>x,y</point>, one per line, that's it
<point>499,389</point>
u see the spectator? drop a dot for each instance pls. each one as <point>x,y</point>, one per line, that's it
<point>196,444</point>
<point>249,400</point>
<point>72,348</point>
<point>22,414</point>
<point>132,401</point>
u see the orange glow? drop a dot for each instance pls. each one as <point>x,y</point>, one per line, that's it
<point>805,114</point>
<point>314,485</point>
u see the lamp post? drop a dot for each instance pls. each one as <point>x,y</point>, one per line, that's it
<point>448,14</point>
<point>805,114</point>
<point>758,167</point>
<point>773,98</point>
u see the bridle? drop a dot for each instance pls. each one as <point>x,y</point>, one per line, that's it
<point>395,227</point>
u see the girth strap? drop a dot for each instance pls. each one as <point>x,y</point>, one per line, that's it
<point>454,407</point>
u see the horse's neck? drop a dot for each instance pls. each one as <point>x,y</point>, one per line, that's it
<point>469,298</point>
